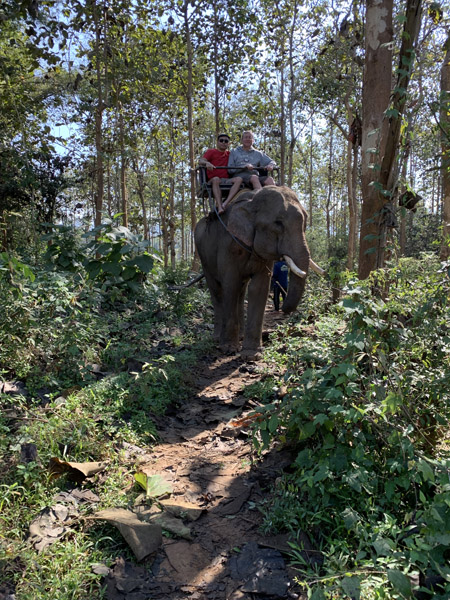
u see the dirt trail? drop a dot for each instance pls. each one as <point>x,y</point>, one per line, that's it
<point>211,464</point>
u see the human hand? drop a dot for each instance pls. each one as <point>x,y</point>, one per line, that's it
<point>269,168</point>
<point>209,166</point>
<point>249,166</point>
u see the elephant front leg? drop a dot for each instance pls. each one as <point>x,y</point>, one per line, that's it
<point>258,290</point>
<point>231,311</point>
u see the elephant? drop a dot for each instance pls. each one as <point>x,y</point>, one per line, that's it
<point>237,250</point>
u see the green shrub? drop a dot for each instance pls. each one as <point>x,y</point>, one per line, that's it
<point>371,476</point>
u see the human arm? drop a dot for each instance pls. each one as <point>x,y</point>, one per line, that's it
<point>205,161</point>
<point>266,162</point>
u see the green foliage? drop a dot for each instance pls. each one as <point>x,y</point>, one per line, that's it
<point>112,254</point>
<point>52,331</point>
<point>369,418</point>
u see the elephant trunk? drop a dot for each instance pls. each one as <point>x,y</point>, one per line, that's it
<point>297,280</point>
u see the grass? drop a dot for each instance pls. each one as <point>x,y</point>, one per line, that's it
<point>86,419</point>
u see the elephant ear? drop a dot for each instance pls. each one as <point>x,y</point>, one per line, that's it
<point>240,222</point>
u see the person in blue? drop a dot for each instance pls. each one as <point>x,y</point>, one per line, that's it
<point>279,282</point>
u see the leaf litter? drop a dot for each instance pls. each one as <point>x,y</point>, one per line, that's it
<point>196,528</point>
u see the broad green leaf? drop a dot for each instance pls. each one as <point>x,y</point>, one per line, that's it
<point>273,423</point>
<point>400,582</point>
<point>352,587</point>
<point>350,517</point>
<point>383,546</point>
<point>424,468</point>
<point>391,112</point>
<point>144,262</point>
<point>141,479</point>
<point>104,249</point>
<point>93,268</point>
<point>158,486</point>
<point>112,267</point>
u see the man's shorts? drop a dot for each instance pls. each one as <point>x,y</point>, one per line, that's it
<point>246,175</point>
<point>224,180</point>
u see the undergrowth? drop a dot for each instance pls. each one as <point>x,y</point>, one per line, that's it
<point>367,412</point>
<point>98,365</point>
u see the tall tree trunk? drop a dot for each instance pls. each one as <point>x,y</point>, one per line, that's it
<point>183,247</point>
<point>389,167</point>
<point>282,124</point>
<point>292,92</point>
<point>98,124</point>
<point>216,72</point>
<point>374,224</point>
<point>190,124</point>
<point>171,207</point>
<point>330,191</point>
<point>445,145</point>
<point>123,169</point>
<point>141,195</point>
<point>352,173</point>
<point>310,175</point>
<point>375,100</point>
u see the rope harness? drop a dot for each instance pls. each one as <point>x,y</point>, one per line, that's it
<point>249,249</point>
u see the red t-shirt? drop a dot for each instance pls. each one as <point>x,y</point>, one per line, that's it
<point>218,159</point>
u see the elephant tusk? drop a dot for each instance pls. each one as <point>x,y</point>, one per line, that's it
<point>293,267</point>
<point>315,267</point>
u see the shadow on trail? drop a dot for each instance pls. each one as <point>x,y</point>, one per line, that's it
<point>211,464</point>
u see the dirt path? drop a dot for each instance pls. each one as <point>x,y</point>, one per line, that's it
<point>211,464</point>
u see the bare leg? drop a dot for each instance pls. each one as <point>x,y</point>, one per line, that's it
<point>269,181</point>
<point>217,193</point>
<point>255,183</point>
<point>233,191</point>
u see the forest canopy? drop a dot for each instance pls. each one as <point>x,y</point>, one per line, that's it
<point>106,107</point>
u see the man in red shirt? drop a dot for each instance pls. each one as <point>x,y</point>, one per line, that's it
<point>218,157</point>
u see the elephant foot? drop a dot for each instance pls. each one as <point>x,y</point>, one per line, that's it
<point>251,355</point>
<point>228,349</point>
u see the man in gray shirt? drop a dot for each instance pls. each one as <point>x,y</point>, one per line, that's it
<point>246,158</point>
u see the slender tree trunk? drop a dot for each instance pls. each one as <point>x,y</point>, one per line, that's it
<point>3,231</point>
<point>98,124</point>
<point>445,145</point>
<point>310,175</point>
<point>216,72</point>
<point>123,169</point>
<point>292,91</point>
<point>352,172</point>
<point>141,195</point>
<point>171,207</point>
<point>190,124</point>
<point>183,247</point>
<point>330,191</point>
<point>282,124</point>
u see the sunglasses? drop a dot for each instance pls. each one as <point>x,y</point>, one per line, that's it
<point>224,140</point>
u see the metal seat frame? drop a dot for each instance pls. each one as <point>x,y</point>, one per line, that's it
<point>204,187</point>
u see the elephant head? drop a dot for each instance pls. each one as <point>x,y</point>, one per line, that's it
<point>272,223</point>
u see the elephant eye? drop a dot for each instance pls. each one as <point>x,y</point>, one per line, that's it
<point>278,223</point>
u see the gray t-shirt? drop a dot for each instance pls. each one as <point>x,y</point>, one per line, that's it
<point>240,157</point>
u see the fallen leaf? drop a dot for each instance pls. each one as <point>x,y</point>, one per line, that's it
<point>172,524</point>
<point>77,472</point>
<point>179,508</point>
<point>154,485</point>
<point>143,538</point>
<point>50,525</point>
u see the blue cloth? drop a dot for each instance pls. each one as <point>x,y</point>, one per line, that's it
<point>279,282</point>
<point>280,274</point>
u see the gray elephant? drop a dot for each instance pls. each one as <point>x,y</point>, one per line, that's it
<point>238,251</point>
